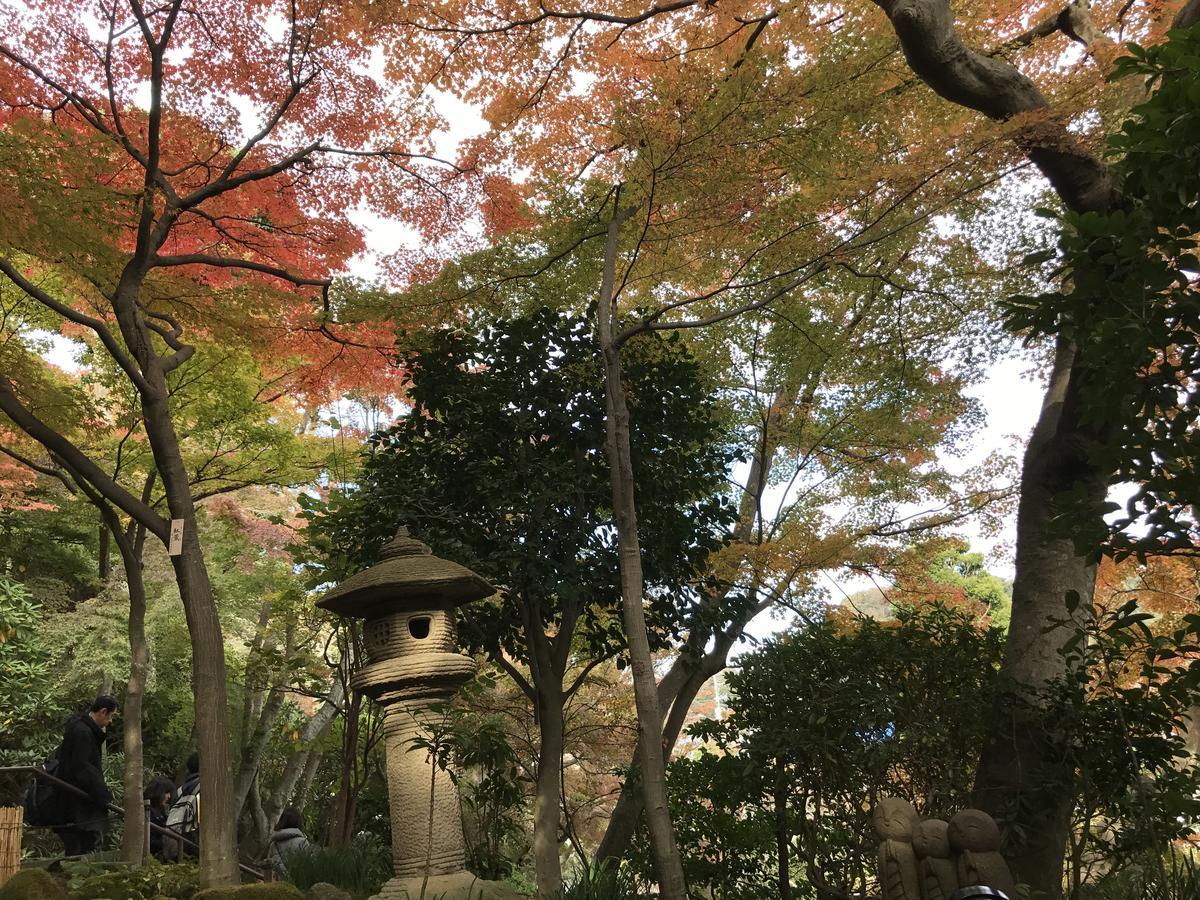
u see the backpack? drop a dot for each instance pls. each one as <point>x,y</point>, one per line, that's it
<point>184,815</point>
<point>41,799</point>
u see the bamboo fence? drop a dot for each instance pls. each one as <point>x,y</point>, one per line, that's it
<point>11,820</point>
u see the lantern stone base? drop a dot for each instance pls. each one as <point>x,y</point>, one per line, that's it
<point>459,886</point>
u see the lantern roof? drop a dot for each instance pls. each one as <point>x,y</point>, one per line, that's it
<point>407,577</point>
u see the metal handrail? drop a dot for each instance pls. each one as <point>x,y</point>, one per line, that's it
<point>39,772</point>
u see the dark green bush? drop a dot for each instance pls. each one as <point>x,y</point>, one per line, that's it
<point>180,882</point>
<point>33,884</point>
<point>361,868</point>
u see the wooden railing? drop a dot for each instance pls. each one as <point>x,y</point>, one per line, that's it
<point>40,773</point>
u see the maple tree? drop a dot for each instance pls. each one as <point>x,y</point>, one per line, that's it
<point>158,215</point>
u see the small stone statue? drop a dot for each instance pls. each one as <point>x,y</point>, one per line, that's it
<point>975,837</point>
<point>935,862</point>
<point>893,820</point>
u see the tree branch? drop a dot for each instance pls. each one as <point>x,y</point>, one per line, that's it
<point>77,462</point>
<point>97,325</point>
<point>936,53</point>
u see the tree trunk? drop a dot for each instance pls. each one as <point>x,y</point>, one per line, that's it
<point>341,823</point>
<point>783,835</point>
<point>1023,776</point>
<point>255,743</point>
<point>667,862</point>
<point>693,666</point>
<point>314,729</point>
<point>218,822</point>
<point>103,568</point>
<point>134,823</point>
<point>546,862</point>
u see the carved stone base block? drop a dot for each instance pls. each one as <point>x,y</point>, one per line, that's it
<point>459,886</point>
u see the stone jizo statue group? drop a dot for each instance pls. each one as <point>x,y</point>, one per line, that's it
<point>932,859</point>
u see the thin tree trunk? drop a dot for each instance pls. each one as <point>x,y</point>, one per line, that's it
<point>783,836</point>
<point>306,779</point>
<point>256,743</point>
<point>341,824</point>
<point>103,566</point>
<point>252,693</point>
<point>314,729</point>
<point>667,862</point>
<point>134,823</point>
<point>693,666</point>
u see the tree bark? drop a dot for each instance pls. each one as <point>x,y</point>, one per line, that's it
<point>1023,776</point>
<point>134,823</point>
<point>218,823</point>
<point>783,835</point>
<point>546,862</point>
<point>667,862</point>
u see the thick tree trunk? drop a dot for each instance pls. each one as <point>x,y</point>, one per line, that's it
<point>1023,777</point>
<point>667,862</point>
<point>218,822</point>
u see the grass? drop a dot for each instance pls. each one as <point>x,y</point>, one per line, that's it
<point>361,868</point>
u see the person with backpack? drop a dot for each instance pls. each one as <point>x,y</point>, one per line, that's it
<point>81,763</point>
<point>184,816</point>
<point>286,840</point>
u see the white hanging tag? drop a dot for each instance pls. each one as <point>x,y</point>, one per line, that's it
<point>176,546</point>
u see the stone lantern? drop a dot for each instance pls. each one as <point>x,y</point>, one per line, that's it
<point>407,601</point>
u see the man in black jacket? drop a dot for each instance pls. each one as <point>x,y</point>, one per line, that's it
<point>81,764</point>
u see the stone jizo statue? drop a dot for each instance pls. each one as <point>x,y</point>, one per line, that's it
<point>894,820</point>
<point>935,861</point>
<point>975,837</point>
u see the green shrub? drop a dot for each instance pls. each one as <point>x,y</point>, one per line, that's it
<point>361,868</point>
<point>277,890</point>
<point>33,884</point>
<point>180,882</point>
<point>1177,877</point>
<point>600,883</point>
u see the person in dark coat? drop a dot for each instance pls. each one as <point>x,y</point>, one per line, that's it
<point>160,793</point>
<point>286,840</point>
<point>81,764</point>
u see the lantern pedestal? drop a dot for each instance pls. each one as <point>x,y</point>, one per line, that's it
<point>460,886</point>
